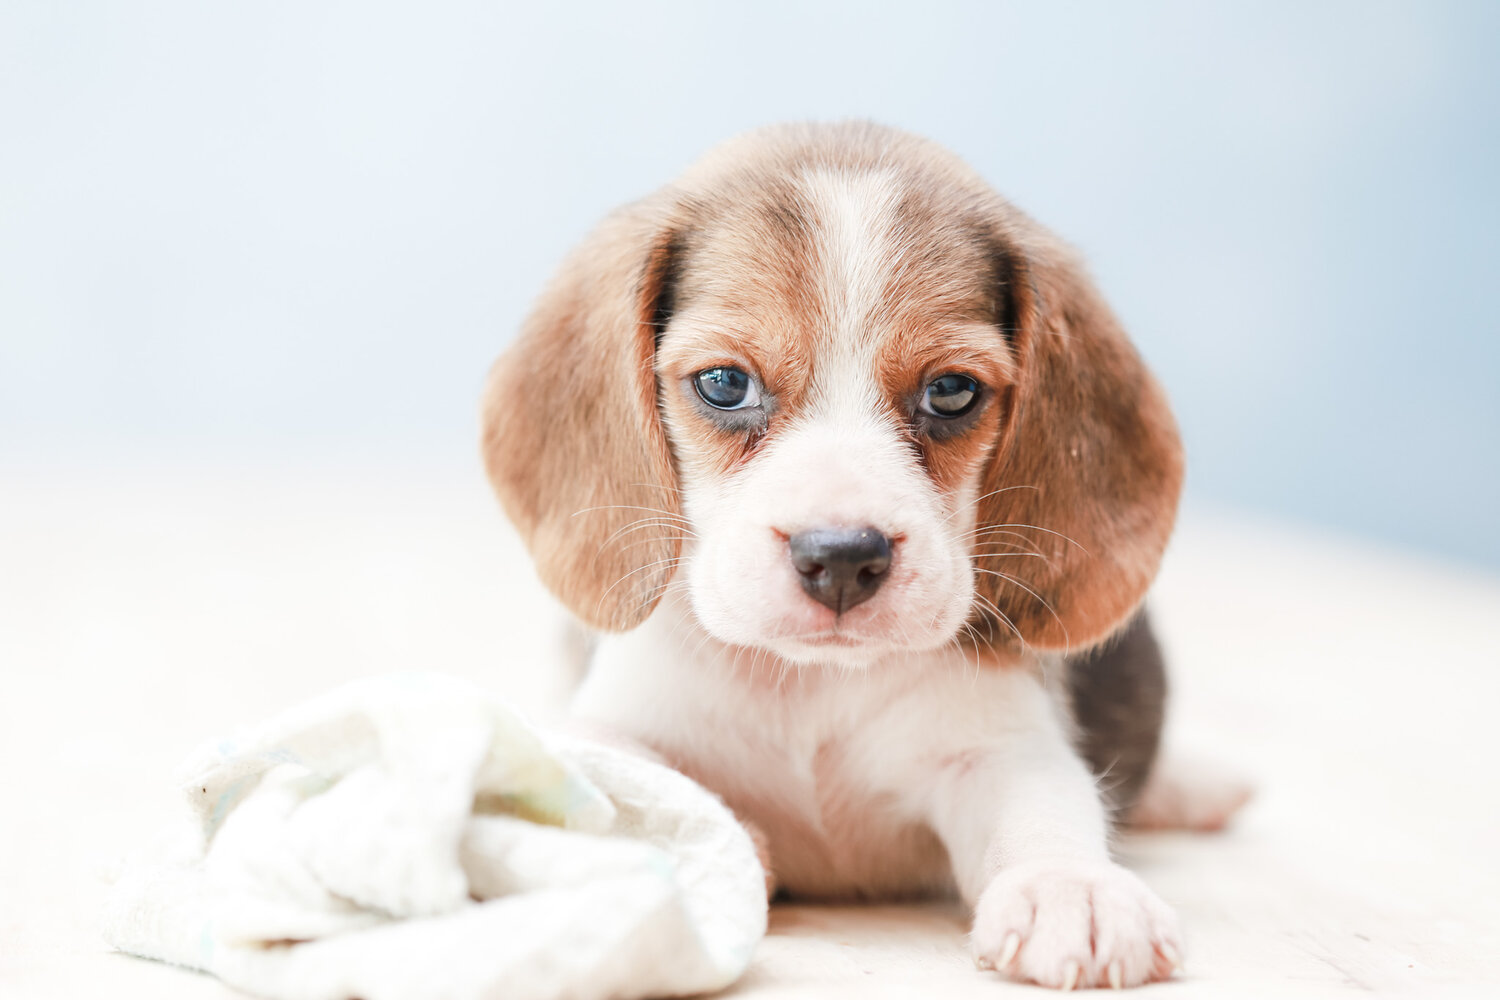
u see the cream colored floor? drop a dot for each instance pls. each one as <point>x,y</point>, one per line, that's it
<point>142,613</point>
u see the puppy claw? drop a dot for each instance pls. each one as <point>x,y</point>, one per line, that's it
<point>1070,976</point>
<point>1171,955</point>
<point>983,962</point>
<point>1008,951</point>
<point>1116,976</point>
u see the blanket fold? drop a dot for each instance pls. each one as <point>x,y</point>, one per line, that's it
<point>412,837</point>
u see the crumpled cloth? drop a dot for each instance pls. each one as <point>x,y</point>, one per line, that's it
<point>412,837</point>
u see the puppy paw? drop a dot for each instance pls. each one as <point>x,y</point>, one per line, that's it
<point>1071,925</point>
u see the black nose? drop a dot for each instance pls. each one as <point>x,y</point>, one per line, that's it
<point>841,567</point>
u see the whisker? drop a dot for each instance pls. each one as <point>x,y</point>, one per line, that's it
<point>989,537</point>
<point>648,522</point>
<point>652,541</point>
<point>987,530</point>
<point>672,560</point>
<point>992,607</point>
<point>1066,639</point>
<point>630,506</point>
<point>1012,555</point>
<point>1037,527</point>
<point>991,493</point>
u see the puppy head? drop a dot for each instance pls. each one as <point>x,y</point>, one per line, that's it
<point>848,398</point>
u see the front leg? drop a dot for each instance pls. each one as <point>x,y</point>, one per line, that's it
<point>1027,836</point>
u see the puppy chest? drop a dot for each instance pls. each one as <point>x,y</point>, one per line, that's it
<point>831,832</point>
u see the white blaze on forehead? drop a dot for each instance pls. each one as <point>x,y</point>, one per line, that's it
<point>853,215</point>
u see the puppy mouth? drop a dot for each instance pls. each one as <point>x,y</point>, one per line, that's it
<point>815,628</point>
<point>828,639</point>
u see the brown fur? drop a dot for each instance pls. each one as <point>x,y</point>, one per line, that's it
<point>1089,468</point>
<point>572,440</point>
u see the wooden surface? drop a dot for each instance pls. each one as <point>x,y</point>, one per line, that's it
<point>141,614</point>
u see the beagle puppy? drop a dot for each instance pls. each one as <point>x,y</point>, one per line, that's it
<point>865,484</point>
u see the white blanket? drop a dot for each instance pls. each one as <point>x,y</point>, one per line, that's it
<point>411,837</point>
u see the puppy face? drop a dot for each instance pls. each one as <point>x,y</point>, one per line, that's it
<point>844,395</point>
<point>830,381</point>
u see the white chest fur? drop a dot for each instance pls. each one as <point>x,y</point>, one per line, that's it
<point>841,770</point>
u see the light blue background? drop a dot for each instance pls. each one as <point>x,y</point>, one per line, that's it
<point>274,231</point>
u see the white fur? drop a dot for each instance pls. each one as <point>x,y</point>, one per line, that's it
<point>831,469</point>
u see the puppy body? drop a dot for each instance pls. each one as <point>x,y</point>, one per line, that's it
<point>915,776</point>
<point>861,466</point>
<point>856,779</point>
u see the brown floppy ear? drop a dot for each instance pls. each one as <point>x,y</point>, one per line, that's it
<point>572,438</point>
<point>1088,469</point>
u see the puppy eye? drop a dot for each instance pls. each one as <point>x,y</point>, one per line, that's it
<point>950,396</point>
<point>727,388</point>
